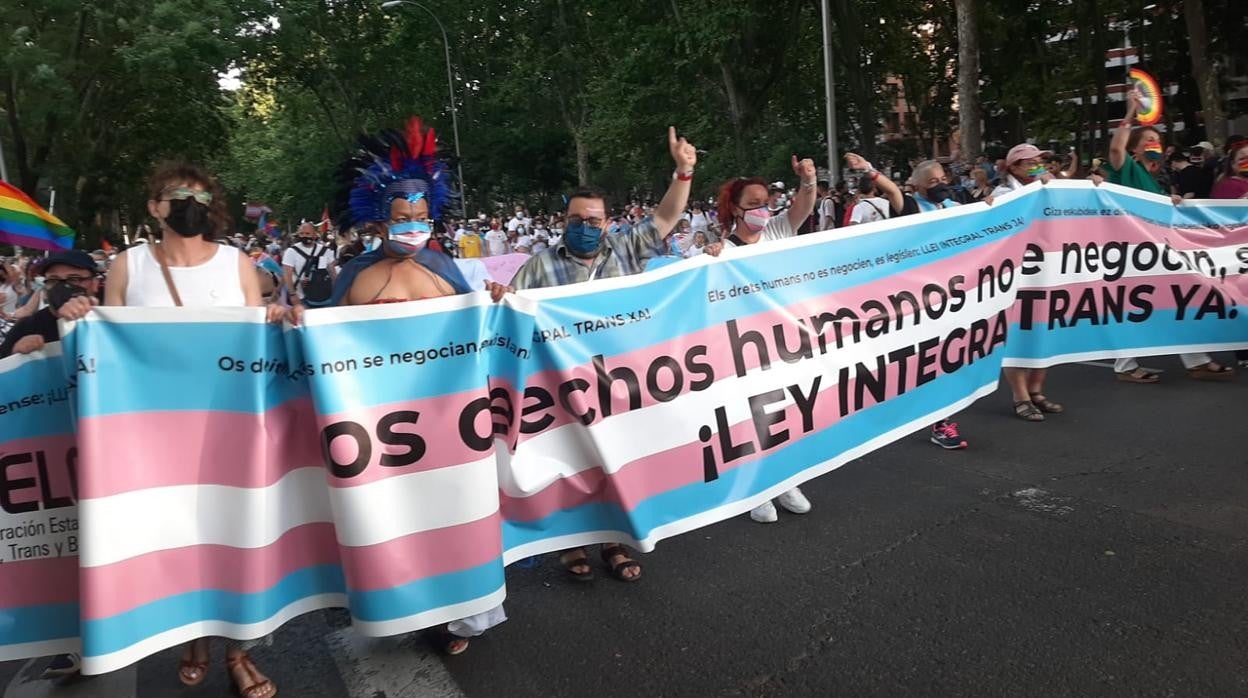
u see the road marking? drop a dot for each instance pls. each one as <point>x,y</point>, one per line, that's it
<point>122,683</point>
<point>389,667</point>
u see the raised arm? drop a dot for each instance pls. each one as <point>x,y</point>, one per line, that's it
<point>804,201</point>
<point>1118,146</point>
<point>887,187</point>
<point>672,207</point>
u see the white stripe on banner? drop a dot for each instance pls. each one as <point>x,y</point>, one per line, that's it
<point>1224,257</point>
<point>163,518</point>
<point>398,506</point>
<point>567,450</point>
<point>124,525</point>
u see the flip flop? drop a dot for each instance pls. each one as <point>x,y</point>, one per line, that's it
<point>1204,373</point>
<point>1139,375</point>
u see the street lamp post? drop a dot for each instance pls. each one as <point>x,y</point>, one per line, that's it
<point>829,95</point>
<point>450,86</point>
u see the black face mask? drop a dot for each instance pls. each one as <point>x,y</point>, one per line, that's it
<point>60,294</point>
<point>939,193</point>
<point>187,217</point>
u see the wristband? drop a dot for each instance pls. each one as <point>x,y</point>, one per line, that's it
<point>808,185</point>
<point>683,176</point>
<point>875,174</point>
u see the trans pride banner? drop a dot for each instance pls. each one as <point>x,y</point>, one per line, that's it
<point>393,459</point>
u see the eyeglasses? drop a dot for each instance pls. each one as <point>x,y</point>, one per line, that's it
<point>591,222</point>
<point>79,281</point>
<point>180,193</point>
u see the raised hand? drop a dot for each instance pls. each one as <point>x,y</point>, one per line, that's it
<point>805,169</point>
<point>854,161</point>
<point>683,153</point>
<point>76,308</point>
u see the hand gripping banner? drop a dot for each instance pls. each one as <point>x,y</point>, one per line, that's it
<point>393,459</point>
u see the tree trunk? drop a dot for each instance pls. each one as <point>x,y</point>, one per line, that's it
<point>582,158</point>
<point>1204,71</point>
<point>970,120</point>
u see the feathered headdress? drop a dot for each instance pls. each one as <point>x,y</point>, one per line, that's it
<point>394,165</point>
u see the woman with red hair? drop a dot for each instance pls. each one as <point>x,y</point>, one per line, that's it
<point>746,220</point>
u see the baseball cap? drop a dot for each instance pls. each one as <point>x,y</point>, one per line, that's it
<point>1024,151</point>
<point>70,258</point>
<point>1205,145</point>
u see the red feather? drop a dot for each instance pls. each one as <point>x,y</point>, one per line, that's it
<point>415,137</point>
<point>431,144</point>
<point>396,158</point>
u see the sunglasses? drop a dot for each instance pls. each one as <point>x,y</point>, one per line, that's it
<point>79,281</point>
<point>180,193</point>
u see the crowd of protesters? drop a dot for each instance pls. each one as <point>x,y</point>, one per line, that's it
<point>409,252</point>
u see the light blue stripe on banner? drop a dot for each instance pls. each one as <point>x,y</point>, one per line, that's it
<point>405,379</point>
<point>750,479</point>
<point>106,635</point>
<point>428,594</point>
<point>25,624</point>
<point>149,367</point>
<point>25,400</point>
<point>1154,332</point>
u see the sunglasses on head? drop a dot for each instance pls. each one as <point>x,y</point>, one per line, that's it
<point>180,193</point>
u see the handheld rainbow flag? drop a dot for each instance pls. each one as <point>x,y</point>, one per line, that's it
<point>24,222</point>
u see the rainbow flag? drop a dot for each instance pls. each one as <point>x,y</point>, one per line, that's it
<point>24,222</point>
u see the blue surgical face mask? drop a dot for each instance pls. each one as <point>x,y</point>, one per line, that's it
<point>583,240</point>
<point>406,239</point>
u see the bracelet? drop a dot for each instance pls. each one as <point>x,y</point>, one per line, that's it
<point>875,174</point>
<point>683,176</point>
<point>808,185</point>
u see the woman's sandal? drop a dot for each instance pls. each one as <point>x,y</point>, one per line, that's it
<point>617,570</point>
<point>569,559</point>
<point>1028,412</point>
<point>192,672</point>
<point>260,687</point>
<point>453,644</point>
<point>1207,373</point>
<point>1045,404</point>
<point>1139,375</point>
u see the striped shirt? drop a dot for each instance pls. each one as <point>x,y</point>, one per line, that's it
<point>622,254</point>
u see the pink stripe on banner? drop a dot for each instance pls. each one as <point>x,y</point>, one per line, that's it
<point>36,582</point>
<point>424,554</point>
<point>111,589</point>
<point>667,470</point>
<point>1051,233</point>
<point>48,455</point>
<point>162,449</point>
<point>721,361</point>
<point>437,426</point>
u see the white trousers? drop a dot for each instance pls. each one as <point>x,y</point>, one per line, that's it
<point>1190,361</point>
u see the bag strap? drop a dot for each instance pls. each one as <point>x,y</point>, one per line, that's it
<point>308,261</point>
<point>158,251</point>
<point>736,240</point>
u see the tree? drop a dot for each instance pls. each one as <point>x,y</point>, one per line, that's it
<point>1204,70</point>
<point>969,116</point>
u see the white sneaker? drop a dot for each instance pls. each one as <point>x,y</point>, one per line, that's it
<point>764,513</point>
<point>794,501</point>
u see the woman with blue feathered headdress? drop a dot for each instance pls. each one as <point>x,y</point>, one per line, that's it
<point>395,189</point>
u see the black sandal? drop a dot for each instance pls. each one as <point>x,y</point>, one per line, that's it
<point>1027,411</point>
<point>582,561</point>
<point>1045,404</point>
<point>617,571</point>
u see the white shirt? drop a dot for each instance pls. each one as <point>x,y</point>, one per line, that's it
<point>496,243</point>
<point>698,221</point>
<point>827,213</point>
<point>291,257</point>
<point>1007,185</point>
<point>869,210</point>
<point>524,242</point>
<point>777,228</point>
<point>214,283</point>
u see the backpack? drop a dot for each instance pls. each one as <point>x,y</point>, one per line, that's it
<point>319,285</point>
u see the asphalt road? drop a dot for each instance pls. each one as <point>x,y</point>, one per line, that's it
<point>1101,553</point>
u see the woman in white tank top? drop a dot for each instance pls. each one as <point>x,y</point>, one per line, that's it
<point>191,210</point>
